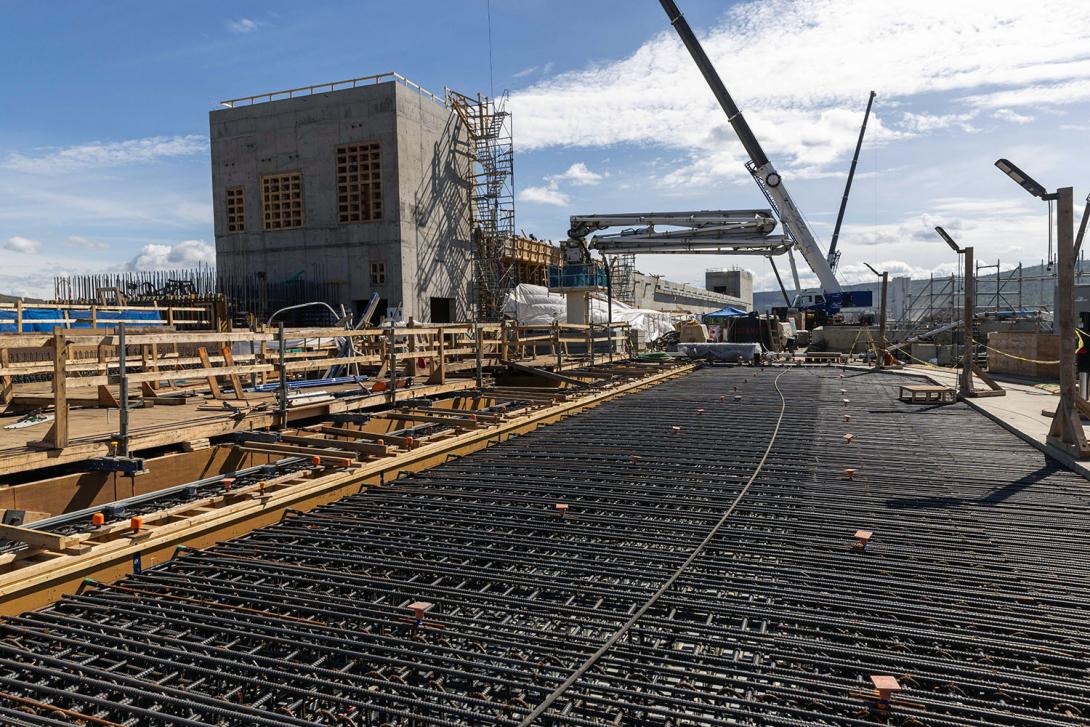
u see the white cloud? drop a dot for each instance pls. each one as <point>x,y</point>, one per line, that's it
<point>107,154</point>
<point>1012,116</point>
<point>1034,95</point>
<point>25,276</point>
<point>534,70</point>
<point>185,254</point>
<point>548,194</point>
<point>23,244</point>
<point>808,118</point>
<point>84,243</point>
<point>579,175</point>
<point>925,123</point>
<point>242,25</point>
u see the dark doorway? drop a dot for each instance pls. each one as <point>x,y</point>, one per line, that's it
<point>360,307</point>
<point>442,310</point>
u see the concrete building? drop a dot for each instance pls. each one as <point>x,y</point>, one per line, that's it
<point>360,188</point>
<point>658,294</point>
<point>730,281</point>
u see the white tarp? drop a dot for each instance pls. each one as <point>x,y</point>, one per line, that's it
<point>534,305</point>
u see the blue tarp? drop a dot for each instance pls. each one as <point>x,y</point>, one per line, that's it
<point>726,312</point>
<point>79,317</point>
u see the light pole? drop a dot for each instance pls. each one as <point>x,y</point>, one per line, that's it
<point>1066,431</point>
<point>965,388</point>
<point>884,275</point>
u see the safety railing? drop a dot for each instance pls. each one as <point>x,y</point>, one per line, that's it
<point>333,86</point>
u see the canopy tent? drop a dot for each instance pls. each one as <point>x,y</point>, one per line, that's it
<point>724,312</point>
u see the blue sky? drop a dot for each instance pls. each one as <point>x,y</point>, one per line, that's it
<point>104,153</point>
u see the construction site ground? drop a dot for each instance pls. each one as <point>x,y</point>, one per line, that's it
<point>712,550</point>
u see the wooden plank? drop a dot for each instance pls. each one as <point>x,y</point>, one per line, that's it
<point>236,382</point>
<point>138,339</point>
<point>397,439</point>
<point>106,398</point>
<point>460,414</point>
<point>552,376</point>
<point>35,538</point>
<point>365,447</point>
<point>456,423</point>
<point>291,450</point>
<point>212,383</point>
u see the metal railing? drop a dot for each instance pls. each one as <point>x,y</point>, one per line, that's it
<point>333,86</point>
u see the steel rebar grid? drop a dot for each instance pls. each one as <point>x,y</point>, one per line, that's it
<point>971,592</point>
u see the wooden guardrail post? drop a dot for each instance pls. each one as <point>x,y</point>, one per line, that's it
<point>590,342</point>
<point>557,350</point>
<point>5,381</point>
<point>57,437</point>
<point>410,366</point>
<point>442,370</point>
<point>392,352</point>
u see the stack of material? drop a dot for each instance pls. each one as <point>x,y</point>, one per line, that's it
<point>534,305</point>
<point>1021,353</point>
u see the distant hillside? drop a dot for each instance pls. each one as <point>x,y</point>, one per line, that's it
<point>4,298</point>
<point>1034,293</point>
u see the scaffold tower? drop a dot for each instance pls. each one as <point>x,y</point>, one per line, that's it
<point>490,156</point>
<point>622,273</point>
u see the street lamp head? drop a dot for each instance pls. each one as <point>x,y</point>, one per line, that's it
<point>1023,180</point>
<point>949,240</point>
<point>873,270</point>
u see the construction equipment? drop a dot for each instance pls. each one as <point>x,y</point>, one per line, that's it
<point>834,299</point>
<point>833,256</point>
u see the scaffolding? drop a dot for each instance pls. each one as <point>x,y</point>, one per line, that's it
<point>622,272</point>
<point>488,148</point>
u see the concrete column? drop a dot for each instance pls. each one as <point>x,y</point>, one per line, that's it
<point>577,307</point>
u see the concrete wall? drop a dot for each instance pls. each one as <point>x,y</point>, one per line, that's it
<point>737,283</point>
<point>436,252</point>
<point>421,237</point>
<point>1024,349</point>
<point>665,295</point>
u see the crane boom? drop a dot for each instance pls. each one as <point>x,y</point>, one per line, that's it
<point>762,169</point>
<point>833,255</point>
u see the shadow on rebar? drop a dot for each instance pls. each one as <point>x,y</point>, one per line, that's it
<point>995,497</point>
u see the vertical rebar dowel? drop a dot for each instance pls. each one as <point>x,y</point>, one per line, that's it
<point>283,375</point>
<point>480,372</point>
<point>123,398</point>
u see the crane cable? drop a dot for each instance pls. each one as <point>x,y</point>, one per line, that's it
<point>616,636</point>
